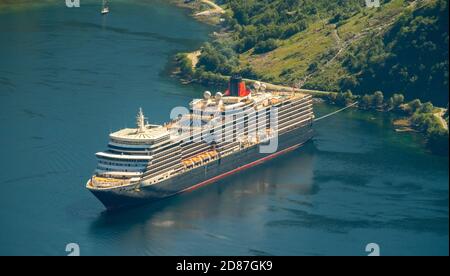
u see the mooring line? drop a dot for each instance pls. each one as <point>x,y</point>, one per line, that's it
<point>337,111</point>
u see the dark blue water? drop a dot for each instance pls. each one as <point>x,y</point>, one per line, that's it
<point>68,77</point>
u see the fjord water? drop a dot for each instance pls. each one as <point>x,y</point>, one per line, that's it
<point>69,76</point>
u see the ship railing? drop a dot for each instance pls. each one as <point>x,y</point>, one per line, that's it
<point>106,182</point>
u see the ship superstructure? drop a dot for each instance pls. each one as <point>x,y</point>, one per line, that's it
<point>219,135</point>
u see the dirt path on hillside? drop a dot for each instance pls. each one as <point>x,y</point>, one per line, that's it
<point>215,9</point>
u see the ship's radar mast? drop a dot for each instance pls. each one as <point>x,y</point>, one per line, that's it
<point>140,121</point>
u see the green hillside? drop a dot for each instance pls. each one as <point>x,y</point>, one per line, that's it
<point>400,47</point>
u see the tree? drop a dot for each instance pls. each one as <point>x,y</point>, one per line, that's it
<point>248,72</point>
<point>265,46</point>
<point>185,65</point>
<point>332,97</point>
<point>209,58</point>
<point>294,28</point>
<point>240,11</point>
<point>366,101</point>
<point>343,99</point>
<point>390,103</point>
<point>427,108</point>
<point>397,100</point>
<point>415,105</point>
<point>378,99</point>
<point>312,67</point>
<point>348,97</point>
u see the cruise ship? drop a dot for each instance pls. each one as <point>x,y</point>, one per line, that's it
<point>217,136</point>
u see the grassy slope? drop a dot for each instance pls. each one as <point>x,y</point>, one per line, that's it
<point>293,56</point>
<point>289,62</point>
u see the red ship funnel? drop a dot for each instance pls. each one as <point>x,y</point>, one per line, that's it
<point>237,88</point>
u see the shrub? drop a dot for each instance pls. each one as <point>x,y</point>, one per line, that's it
<point>265,46</point>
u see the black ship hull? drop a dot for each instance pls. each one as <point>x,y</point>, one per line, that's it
<point>120,197</point>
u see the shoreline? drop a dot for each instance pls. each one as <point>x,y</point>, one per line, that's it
<point>211,18</point>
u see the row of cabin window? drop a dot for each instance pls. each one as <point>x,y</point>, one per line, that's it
<point>121,164</point>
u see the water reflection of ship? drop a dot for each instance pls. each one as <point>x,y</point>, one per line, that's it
<point>283,179</point>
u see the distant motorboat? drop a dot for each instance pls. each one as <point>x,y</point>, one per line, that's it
<point>105,8</point>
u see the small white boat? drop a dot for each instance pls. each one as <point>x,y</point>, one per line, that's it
<point>105,8</point>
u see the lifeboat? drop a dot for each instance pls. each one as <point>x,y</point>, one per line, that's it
<point>197,159</point>
<point>212,153</point>
<point>204,157</point>
<point>188,162</point>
